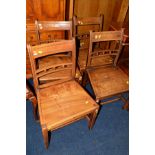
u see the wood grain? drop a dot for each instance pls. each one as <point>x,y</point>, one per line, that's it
<point>51,10</point>
<point>111,81</point>
<point>95,8</point>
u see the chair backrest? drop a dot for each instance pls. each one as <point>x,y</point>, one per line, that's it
<point>52,49</point>
<point>110,45</point>
<point>82,26</point>
<point>49,31</point>
<point>31,34</point>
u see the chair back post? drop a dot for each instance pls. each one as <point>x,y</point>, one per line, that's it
<point>88,62</point>
<point>120,47</point>
<point>33,66</point>
<point>74,25</point>
<point>37,31</point>
<point>101,22</point>
<point>74,59</point>
<point>70,34</point>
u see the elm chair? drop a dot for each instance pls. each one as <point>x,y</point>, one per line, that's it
<point>61,101</point>
<point>51,31</point>
<point>107,80</point>
<point>82,26</point>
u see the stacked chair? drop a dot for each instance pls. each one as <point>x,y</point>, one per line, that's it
<point>81,33</point>
<point>52,31</point>
<point>61,65</point>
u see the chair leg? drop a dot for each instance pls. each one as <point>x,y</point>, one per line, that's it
<point>126,103</point>
<point>126,106</point>
<point>34,103</point>
<point>92,119</point>
<point>84,78</point>
<point>45,135</point>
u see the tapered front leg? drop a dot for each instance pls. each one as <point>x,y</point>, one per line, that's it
<point>126,106</point>
<point>126,103</point>
<point>45,135</point>
<point>92,119</point>
<point>34,103</point>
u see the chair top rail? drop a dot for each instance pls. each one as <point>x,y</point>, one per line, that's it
<point>51,48</point>
<point>87,20</point>
<point>106,36</point>
<point>54,25</point>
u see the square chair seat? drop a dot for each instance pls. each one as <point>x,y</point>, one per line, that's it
<point>64,103</point>
<point>108,81</point>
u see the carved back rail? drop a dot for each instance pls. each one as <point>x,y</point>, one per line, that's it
<point>43,50</point>
<point>112,41</point>
<point>53,28</point>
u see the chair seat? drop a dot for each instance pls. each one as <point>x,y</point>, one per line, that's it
<point>108,81</point>
<point>95,62</point>
<point>61,104</point>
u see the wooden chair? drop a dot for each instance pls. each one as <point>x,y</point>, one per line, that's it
<point>51,31</point>
<point>61,101</point>
<point>107,80</point>
<point>81,32</point>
